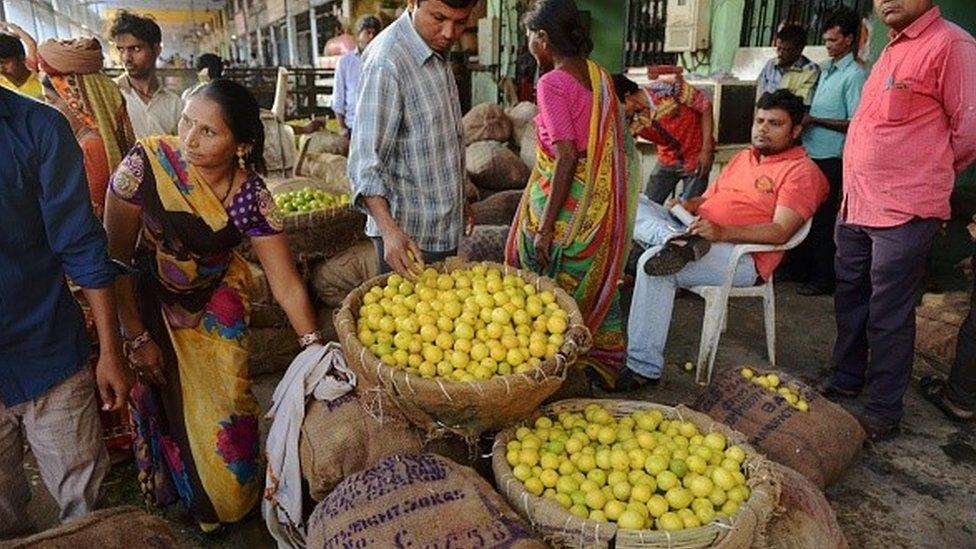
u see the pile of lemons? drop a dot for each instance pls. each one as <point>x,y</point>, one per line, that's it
<point>640,471</point>
<point>309,199</point>
<point>771,383</point>
<point>471,324</point>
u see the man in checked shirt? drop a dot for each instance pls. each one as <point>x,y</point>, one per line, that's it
<point>406,160</point>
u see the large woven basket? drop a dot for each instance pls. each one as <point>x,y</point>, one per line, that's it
<point>563,529</point>
<point>466,409</point>
<point>320,234</point>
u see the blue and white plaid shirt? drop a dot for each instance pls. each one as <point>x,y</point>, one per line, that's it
<point>407,144</point>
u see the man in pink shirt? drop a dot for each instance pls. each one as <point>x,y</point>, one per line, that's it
<point>914,131</point>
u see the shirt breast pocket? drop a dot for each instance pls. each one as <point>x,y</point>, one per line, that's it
<point>19,205</point>
<point>897,102</point>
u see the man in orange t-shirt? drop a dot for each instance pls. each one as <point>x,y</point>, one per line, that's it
<point>763,196</point>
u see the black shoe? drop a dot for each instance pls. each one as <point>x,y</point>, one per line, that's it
<point>811,289</point>
<point>876,428</point>
<point>629,380</point>
<point>829,390</point>
<point>933,390</point>
<point>636,251</point>
<point>676,254</point>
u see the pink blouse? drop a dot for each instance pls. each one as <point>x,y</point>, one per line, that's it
<point>564,110</point>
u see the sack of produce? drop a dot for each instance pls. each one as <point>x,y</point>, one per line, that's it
<point>329,169</point>
<point>527,149</point>
<point>342,437</point>
<point>493,166</point>
<point>805,519</point>
<point>497,209</point>
<point>937,322</point>
<point>326,142</point>
<point>116,528</point>
<point>265,311</point>
<point>335,277</point>
<point>279,146</point>
<point>318,218</point>
<point>616,473</point>
<point>786,420</point>
<point>466,348</point>
<point>485,243</point>
<point>522,116</point>
<point>471,192</point>
<point>273,349</point>
<point>416,501</point>
<point>486,122</point>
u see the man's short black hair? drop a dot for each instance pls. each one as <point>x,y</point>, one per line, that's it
<point>143,28</point>
<point>845,19</point>
<point>369,22</point>
<point>794,34</point>
<point>213,64</point>
<point>11,46</point>
<point>624,86</point>
<point>785,100</point>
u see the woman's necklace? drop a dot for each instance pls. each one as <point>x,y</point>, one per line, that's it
<point>230,186</point>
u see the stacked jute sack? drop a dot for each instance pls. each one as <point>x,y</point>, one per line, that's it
<point>937,321</point>
<point>745,528</point>
<point>812,450</point>
<point>499,157</point>
<point>116,528</point>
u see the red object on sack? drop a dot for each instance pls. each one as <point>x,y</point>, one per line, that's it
<point>653,71</point>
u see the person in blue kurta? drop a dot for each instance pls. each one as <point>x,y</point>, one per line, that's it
<point>347,73</point>
<point>46,391</point>
<point>834,102</point>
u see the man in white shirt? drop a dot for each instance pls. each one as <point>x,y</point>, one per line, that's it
<point>152,108</point>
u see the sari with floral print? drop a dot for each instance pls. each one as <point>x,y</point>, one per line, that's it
<point>197,435</point>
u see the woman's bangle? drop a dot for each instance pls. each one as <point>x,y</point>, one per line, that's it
<point>307,340</point>
<point>132,345</point>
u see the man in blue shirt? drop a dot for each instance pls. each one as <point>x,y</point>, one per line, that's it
<point>46,390</point>
<point>347,73</point>
<point>790,69</point>
<point>834,103</point>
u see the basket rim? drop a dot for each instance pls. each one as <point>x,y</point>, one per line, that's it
<point>715,529</point>
<point>555,366</point>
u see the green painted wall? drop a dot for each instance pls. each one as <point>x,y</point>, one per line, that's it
<point>608,30</point>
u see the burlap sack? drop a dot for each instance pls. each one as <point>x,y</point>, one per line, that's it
<point>265,311</point>
<point>464,409</point>
<point>272,350</point>
<point>342,437</point>
<point>522,116</point>
<point>279,146</point>
<point>527,149</point>
<point>493,166</point>
<point>334,278</point>
<point>485,243</point>
<point>561,529</point>
<point>486,122</point>
<point>805,519</point>
<point>416,501</point>
<point>471,192</point>
<point>327,168</point>
<point>326,142</point>
<point>819,444</point>
<point>937,322</point>
<point>498,209</point>
<point>117,528</point>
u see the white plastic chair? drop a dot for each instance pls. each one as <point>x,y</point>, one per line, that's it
<point>717,301</point>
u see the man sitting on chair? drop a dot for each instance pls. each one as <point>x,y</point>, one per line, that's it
<point>764,195</point>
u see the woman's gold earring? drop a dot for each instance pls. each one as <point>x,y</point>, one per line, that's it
<point>240,160</point>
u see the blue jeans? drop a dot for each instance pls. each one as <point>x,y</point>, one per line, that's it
<point>664,179</point>
<point>653,301</point>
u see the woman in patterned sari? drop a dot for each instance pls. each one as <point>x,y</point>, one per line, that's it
<point>74,84</point>
<point>178,207</point>
<point>576,217</point>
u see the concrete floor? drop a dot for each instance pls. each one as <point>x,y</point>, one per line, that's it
<point>914,491</point>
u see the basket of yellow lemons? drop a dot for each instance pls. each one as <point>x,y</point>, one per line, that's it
<point>464,348</point>
<point>616,473</point>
